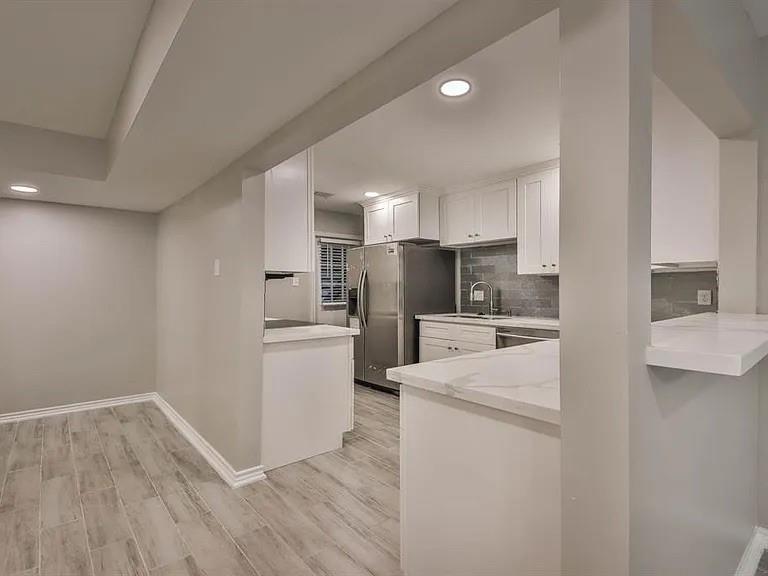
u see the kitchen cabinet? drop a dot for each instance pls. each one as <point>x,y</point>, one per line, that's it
<point>444,340</point>
<point>412,215</point>
<point>482,215</point>
<point>538,223</point>
<point>289,216</point>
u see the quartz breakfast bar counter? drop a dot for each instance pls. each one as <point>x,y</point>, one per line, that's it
<point>715,343</point>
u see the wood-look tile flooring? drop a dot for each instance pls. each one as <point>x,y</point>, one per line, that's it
<point>119,491</point>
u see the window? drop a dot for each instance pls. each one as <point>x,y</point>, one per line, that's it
<point>333,272</point>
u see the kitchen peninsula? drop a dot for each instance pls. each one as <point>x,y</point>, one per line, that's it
<point>308,393</point>
<point>470,506</point>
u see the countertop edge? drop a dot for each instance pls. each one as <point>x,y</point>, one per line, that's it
<point>301,333</point>
<point>513,322</point>
<point>676,355</point>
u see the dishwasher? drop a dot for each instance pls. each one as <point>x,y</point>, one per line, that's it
<point>508,337</point>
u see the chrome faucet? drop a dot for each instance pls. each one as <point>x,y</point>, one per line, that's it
<point>490,293</point>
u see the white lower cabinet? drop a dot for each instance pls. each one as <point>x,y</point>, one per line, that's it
<point>439,340</point>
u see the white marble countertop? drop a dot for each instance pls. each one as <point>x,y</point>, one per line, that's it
<point>496,321</point>
<point>273,335</point>
<point>716,343</point>
<point>522,380</point>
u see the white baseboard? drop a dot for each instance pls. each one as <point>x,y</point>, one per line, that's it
<point>235,478</point>
<point>76,407</point>
<point>753,553</point>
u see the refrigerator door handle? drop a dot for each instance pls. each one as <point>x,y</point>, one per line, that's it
<point>361,299</point>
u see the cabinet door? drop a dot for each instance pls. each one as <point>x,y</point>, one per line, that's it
<point>434,349</point>
<point>458,219</point>
<point>550,246</point>
<point>538,223</point>
<point>378,225</point>
<point>404,212</point>
<point>288,216</point>
<point>494,204</point>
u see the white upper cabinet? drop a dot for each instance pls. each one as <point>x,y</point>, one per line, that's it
<point>481,215</point>
<point>378,225</point>
<point>404,212</point>
<point>289,215</point>
<point>408,216</point>
<point>538,223</point>
<point>457,222</point>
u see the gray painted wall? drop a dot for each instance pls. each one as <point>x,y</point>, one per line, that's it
<point>210,328</point>
<point>77,304</point>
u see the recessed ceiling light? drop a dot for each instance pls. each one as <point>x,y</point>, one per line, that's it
<point>371,194</point>
<point>455,88</point>
<point>24,189</point>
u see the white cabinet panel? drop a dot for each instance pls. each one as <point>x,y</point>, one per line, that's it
<point>480,215</point>
<point>458,219</point>
<point>495,213</point>
<point>288,209</point>
<point>378,224</point>
<point>404,212</point>
<point>444,340</point>
<point>538,222</point>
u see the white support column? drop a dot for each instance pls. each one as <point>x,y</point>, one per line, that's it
<point>605,209</point>
<point>737,237</point>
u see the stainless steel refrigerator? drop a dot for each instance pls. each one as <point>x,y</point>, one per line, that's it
<point>387,286</point>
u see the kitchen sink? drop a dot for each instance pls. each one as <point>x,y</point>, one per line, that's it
<point>478,316</point>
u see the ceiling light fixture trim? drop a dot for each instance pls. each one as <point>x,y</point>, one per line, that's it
<point>24,189</point>
<point>455,87</point>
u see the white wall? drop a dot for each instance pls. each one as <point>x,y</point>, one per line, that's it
<point>210,328</point>
<point>685,175</point>
<point>332,223</point>
<point>77,304</point>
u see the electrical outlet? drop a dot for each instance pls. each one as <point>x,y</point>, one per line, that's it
<point>295,281</point>
<point>478,296</point>
<point>704,297</point>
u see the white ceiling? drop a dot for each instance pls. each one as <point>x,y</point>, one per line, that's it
<point>235,72</point>
<point>64,63</point>
<point>758,13</point>
<point>509,120</point>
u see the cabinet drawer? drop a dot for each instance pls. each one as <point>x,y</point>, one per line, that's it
<point>476,334</point>
<point>471,348</point>
<point>441,330</point>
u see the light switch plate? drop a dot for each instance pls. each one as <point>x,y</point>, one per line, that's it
<point>704,297</point>
<point>295,281</point>
<point>478,296</point>
<point>216,267</point>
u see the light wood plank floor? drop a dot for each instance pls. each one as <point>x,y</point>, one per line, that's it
<point>120,492</point>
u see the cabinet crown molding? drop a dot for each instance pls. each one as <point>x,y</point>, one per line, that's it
<point>403,192</point>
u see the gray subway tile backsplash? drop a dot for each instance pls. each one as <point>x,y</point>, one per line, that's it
<point>672,294</point>
<point>520,295</point>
